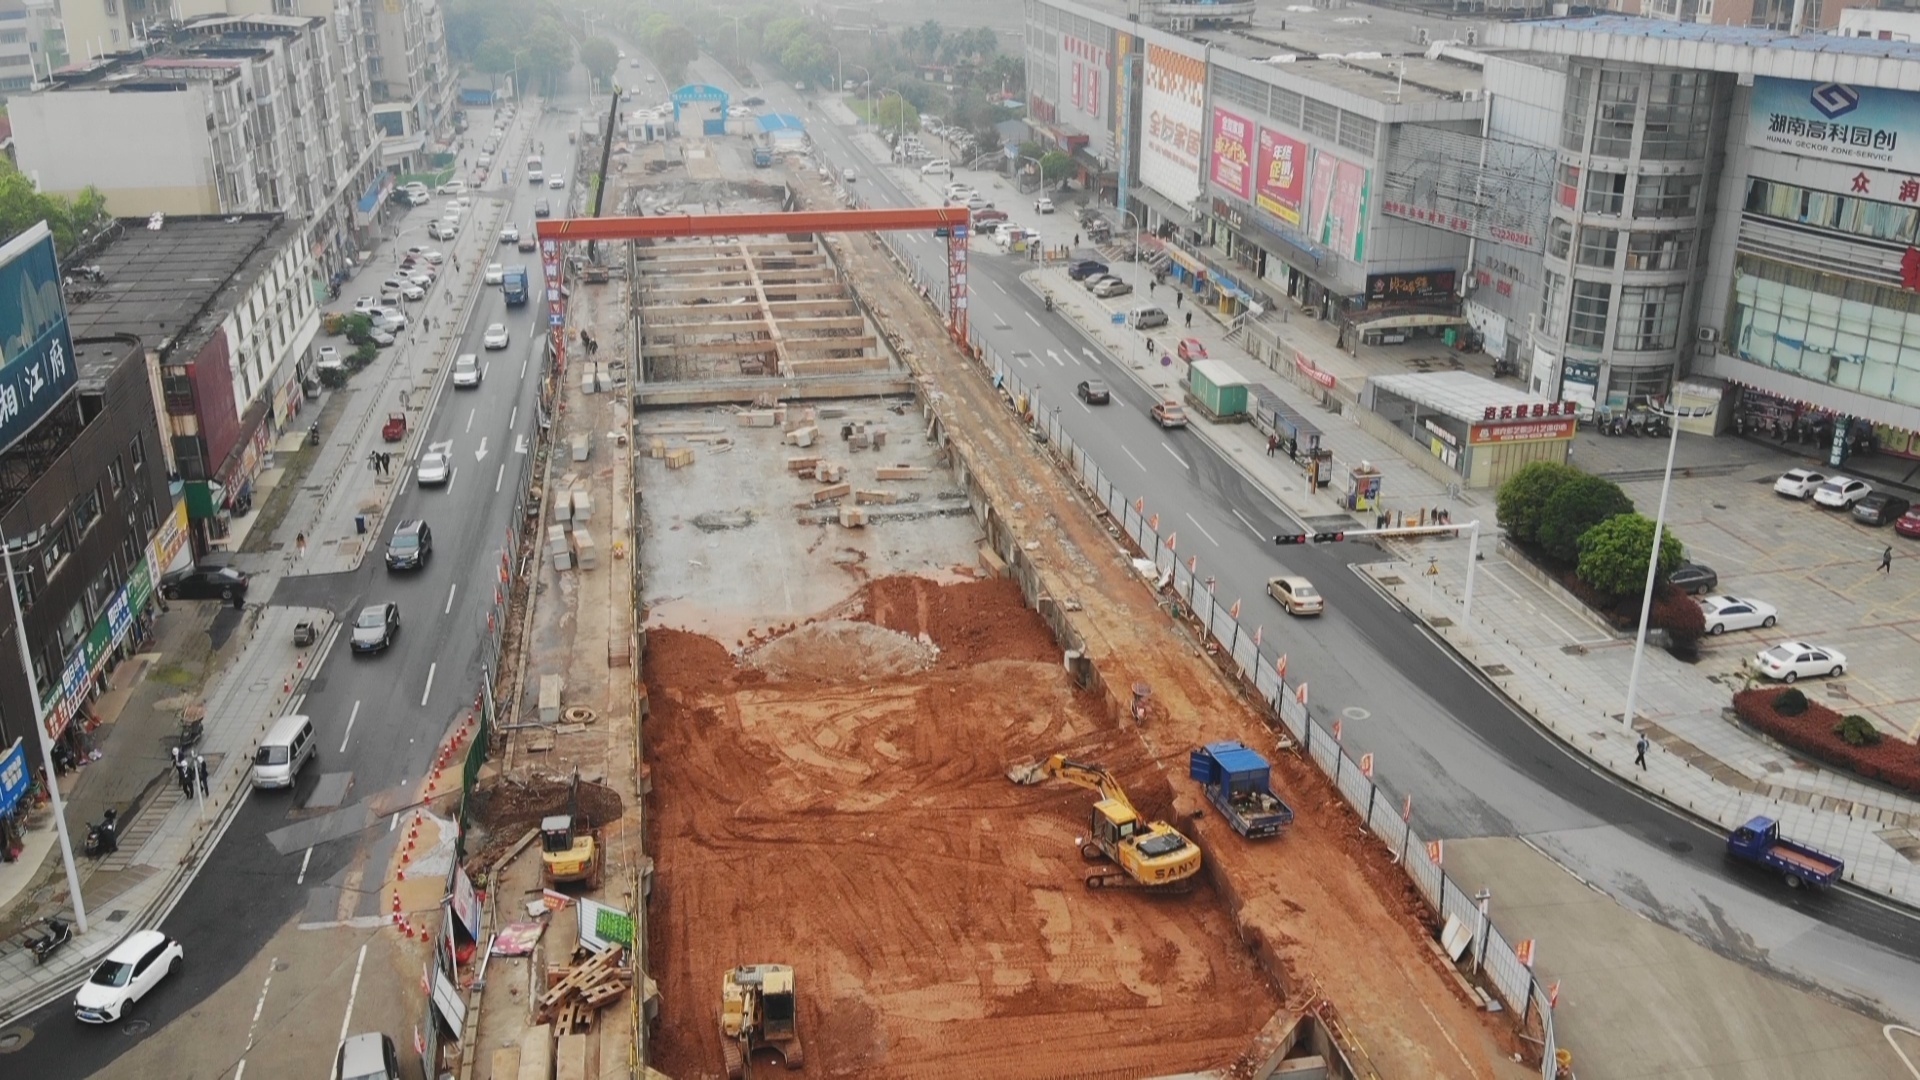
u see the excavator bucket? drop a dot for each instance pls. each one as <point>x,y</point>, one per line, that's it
<point>1031,773</point>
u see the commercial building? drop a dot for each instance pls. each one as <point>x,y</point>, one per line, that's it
<point>226,310</point>
<point>23,42</point>
<point>86,514</point>
<point>225,115</point>
<point>414,84</point>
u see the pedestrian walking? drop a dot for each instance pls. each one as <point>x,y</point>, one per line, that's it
<point>1179,301</point>
<point>1076,239</point>
<point>1189,314</point>
<point>200,761</point>
<point>1640,752</point>
<point>1150,285</point>
<point>1273,443</point>
<point>300,545</point>
<point>186,777</point>
<point>1886,561</point>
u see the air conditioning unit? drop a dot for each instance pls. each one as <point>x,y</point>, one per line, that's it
<point>1708,335</point>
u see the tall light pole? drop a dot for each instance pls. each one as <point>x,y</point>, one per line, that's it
<point>736,41</point>
<point>1653,558</point>
<point>900,130</point>
<point>46,744</point>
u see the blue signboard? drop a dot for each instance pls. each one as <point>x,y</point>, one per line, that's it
<point>14,778</point>
<point>1857,125</point>
<point>36,351</point>
<point>699,93</point>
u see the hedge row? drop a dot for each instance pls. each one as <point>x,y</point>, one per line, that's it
<point>1890,761</point>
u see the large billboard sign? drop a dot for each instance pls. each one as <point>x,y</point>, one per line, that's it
<point>1341,193</point>
<point>1232,168</point>
<point>1280,178</point>
<point>1857,125</point>
<point>1083,75</point>
<point>1171,105</point>
<point>36,350</point>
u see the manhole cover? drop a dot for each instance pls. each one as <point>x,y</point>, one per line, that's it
<point>1679,846</point>
<point>580,714</point>
<point>1355,712</point>
<point>1440,621</point>
<point>14,1038</point>
<point>1498,671</point>
<point>1396,579</point>
<point>116,914</point>
<point>135,1027</point>
<point>282,965</point>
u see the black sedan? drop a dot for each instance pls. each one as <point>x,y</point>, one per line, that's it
<point>376,627</point>
<point>1093,392</point>
<point>1880,509</point>
<point>1693,578</point>
<point>205,582</point>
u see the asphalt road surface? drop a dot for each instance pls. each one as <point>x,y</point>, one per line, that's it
<point>1473,765</point>
<point>379,718</point>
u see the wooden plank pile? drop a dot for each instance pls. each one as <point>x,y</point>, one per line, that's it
<point>576,991</point>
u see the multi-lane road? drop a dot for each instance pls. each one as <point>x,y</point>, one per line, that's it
<point>1474,765</point>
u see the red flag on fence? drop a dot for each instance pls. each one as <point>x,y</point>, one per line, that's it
<point>1523,952</point>
<point>1553,994</point>
<point>1171,538</point>
<point>1434,852</point>
<point>1336,731</point>
<point>1140,506</point>
<point>1234,611</point>
<point>1406,809</point>
<point>1153,523</point>
<point>1256,638</point>
<point>1366,766</point>
<point>1301,693</point>
<point>1193,564</point>
<point>1280,667</point>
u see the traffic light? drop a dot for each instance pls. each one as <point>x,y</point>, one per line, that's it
<point>1290,538</point>
<point>1329,538</point>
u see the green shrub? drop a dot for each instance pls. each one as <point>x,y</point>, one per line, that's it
<point>1524,496</point>
<point>1791,702</point>
<point>363,355</point>
<point>1576,506</point>
<point>1857,730</point>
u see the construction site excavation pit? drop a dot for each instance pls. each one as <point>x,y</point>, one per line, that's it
<point>833,711</point>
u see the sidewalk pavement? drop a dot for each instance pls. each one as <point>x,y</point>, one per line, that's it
<point>1545,653</point>
<point>167,836</point>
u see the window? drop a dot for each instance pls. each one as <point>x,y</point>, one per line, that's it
<point>147,521</point>
<point>116,476</point>
<point>1618,107</point>
<point>1559,238</point>
<point>1859,217</point>
<point>54,550</point>
<point>85,512</point>
<point>1606,192</point>
<point>113,9</point>
<point>1649,318</point>
<point>73,626</point>
<point>130,545</point>
<point>1587,325</point>
<point>101,590</point>
<point>23,584</point>
<point>1573,121</point>
<point>1597,246</point>
<point>139,450</point>
<point>1679,115</point>
<point>1660,251</point>
<point>1553,296</point>
<point>1666,196</point>
<point>176,385</point>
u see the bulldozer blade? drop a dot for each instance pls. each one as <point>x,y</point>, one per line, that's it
<point>1027,774</point>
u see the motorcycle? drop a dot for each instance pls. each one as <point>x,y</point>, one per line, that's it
<point>59,932</point>
<point>190,732</point>
<point>313,434</point>
<point>103,839</point>
<point>1049,303</point>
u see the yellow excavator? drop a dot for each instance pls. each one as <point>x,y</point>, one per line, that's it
<point>759,1010</point>
<point>1141,854</point>
<point>569,849</point>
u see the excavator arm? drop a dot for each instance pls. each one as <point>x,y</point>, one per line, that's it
<point>1091,777</point>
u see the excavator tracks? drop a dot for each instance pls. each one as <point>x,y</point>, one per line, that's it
<point>1112,877</point>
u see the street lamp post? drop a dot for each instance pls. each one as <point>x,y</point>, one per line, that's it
<point>46,744</point>
<point>900,127</point>
<point>1653,561</point>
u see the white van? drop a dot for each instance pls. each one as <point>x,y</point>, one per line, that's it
<point>288,745</point>
<point>942,165</point>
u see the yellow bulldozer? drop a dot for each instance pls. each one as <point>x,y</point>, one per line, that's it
<point>1140,854</point>
<point>759,1010</point>
<point>569,849</point>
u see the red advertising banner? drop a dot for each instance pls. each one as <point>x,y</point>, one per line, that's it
<point>1524,431</point>
<point>1232,168</point>
<point>1280,181</point>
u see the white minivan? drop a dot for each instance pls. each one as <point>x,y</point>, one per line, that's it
<point>943,166</point>
<point>288,745</point>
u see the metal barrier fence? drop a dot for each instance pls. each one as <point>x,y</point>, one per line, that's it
<point>1186,593</point>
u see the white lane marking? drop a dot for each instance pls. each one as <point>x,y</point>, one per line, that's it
<point>346,1021</point>
<point>351,717</point>
<point>1136,460</point>
<point>452,476</point>
<point>514,420</point>
<point>1256,532</point>
<point>451,589</point>
<point>476,409</point>
<point>1083,406</point>
<point>1003,292</point>
<point>1023,363</point>
<point>481,453</point>
<point>304,860</point>
<point>1036,322</point>
<point>503,475</point>
<point>1203,529</point>
<point>1055,357</point>
<point>484,368</point>
<point>393,822</point>
<point>259,1007</point>
<point>523,374</point>
<point>1176,457</point>
<point>1092,356</point>
<point>431,668</point>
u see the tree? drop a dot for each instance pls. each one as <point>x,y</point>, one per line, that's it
<point>1613,554</point>
<point>71,220</point>
<point>931,35</point>
<point>1055,165</point>
<point>671,46</point>
<point>600,57</point>
<point>887,113</point>
<point>1524,496</point>
<point>1576,506</point>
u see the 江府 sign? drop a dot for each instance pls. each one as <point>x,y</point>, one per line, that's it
<point>1425,286</point>
<point>36,351</point>
<point>1170,104</point>
<point>1858,125</point>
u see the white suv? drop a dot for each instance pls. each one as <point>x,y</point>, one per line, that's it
<point>937,165</point>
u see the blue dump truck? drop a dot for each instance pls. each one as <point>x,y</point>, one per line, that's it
<point>762,156</point>
<point>513,282</point>
<point>1759,841</point>
<point>1236,782</point>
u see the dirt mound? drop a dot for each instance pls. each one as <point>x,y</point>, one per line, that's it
<point>843,650</point>
<point>971,621</point>
<point>512,805</point>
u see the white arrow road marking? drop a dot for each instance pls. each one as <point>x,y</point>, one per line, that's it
<point>1091,355</point>
<point>519,445</point>
<point>481,454</point>
<point>1055,357</point>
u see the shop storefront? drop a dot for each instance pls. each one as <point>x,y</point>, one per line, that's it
<point>1482,431</point>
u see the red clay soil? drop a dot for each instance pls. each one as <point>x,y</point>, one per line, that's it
<point>933,911</point>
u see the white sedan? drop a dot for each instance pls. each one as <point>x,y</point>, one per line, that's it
<point>424,279</point>
<point>1798,483</point>
<point>510,234</point>
<point>1791,660</point>
<point>1732,613</point>
<point>1840,492</point>
<point>495,272</point>
<point>433,256</point>
<point>432,470</point>
<point>556,182</point>
<point>129,973</point>
<point>1044,206</point>
<point>413,291</point>
<point>496,336</point>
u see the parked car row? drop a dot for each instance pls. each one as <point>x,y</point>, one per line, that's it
<point>1869,507</point>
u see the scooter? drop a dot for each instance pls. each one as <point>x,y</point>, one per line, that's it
<point>313,434</point>
<point>1049,303</point>
<point>190,732</point>
<point>103,839</point>
<point>58,934</point>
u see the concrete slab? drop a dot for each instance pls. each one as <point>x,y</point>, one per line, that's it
<point>1648,1001</point>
